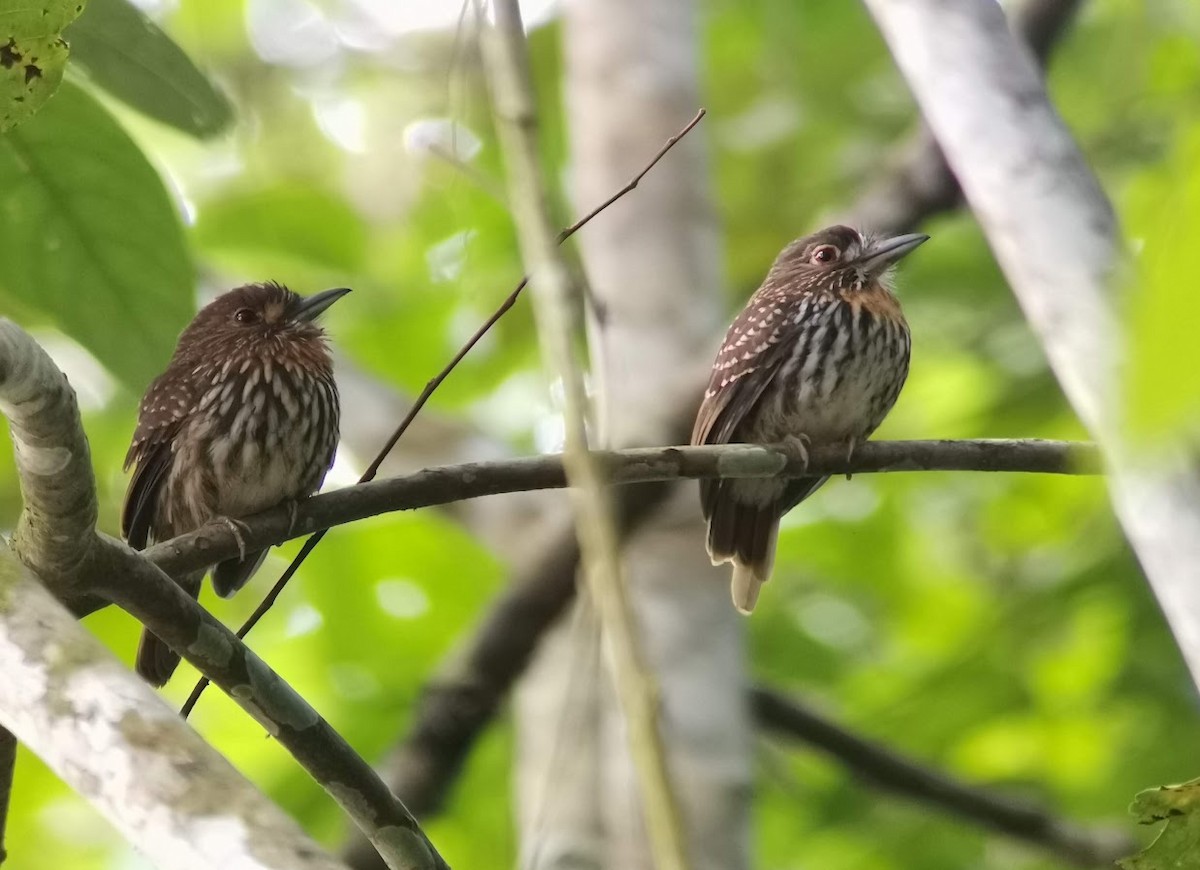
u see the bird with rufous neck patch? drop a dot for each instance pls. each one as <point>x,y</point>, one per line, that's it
<point>817,357</point>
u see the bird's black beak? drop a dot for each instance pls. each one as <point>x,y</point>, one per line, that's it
<point>312,307</point>
<point>883,253</point>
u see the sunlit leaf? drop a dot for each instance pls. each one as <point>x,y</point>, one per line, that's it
<point>33,55</point>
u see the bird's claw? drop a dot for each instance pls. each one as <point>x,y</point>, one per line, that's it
<point>236,527</point>
<point>850,445</point>
<point>797,446</point>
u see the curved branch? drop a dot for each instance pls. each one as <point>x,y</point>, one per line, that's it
<point>107,734</point>
<point>436,486</point>
<point>787,717</point>
<point>57,525</point>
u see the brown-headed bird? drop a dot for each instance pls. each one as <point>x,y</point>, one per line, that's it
<point>818,356</point>
<point>245,418</point>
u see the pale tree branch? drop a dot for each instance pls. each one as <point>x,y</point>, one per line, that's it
<point>107,734</point>
<point>56,535</point>
<point>556,304</point>
<point>1055,236</point>
<point>869,761</point>
<point>918,183</point>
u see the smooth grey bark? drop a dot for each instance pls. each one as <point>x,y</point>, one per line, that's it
<point>1054,234</point>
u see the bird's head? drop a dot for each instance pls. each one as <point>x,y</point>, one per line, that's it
<point>248,316</point>
<point>843,257</point>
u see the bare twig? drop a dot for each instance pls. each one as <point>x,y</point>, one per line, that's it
<point>430,388</point>
<point>786,717</point>
<point>451,483</point>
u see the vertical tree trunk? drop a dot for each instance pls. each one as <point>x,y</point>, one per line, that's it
<point>632,80</point>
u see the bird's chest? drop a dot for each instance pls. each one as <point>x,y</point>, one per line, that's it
<point>842,374</point>
<point>260,441</point>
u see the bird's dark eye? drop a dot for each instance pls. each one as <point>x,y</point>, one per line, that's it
<point>245,315</point>
<point>825,254</point>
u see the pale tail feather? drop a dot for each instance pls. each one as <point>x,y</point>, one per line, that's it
<point>745,535</point>
<point>745,587</point>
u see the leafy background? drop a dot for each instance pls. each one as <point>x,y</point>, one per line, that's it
<point>996,626</point>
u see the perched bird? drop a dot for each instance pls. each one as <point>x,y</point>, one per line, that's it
<point>818,356</point>
<point>244,418</point>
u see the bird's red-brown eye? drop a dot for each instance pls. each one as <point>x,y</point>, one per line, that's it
<point>824,255</point>
<point>245,315</point>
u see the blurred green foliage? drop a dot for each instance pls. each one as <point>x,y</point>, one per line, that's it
<point>996,626</point>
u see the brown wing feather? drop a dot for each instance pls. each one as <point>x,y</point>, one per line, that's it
<point>162,412</point>
<point>752,353</point>
<point>756,347</point>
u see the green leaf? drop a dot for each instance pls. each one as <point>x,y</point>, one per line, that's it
<point>89,237</point>
<point>32,56</point>
<point>1177,846</point>
<point>126,53</point>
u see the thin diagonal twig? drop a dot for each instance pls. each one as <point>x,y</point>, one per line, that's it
<point>429,390</point>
